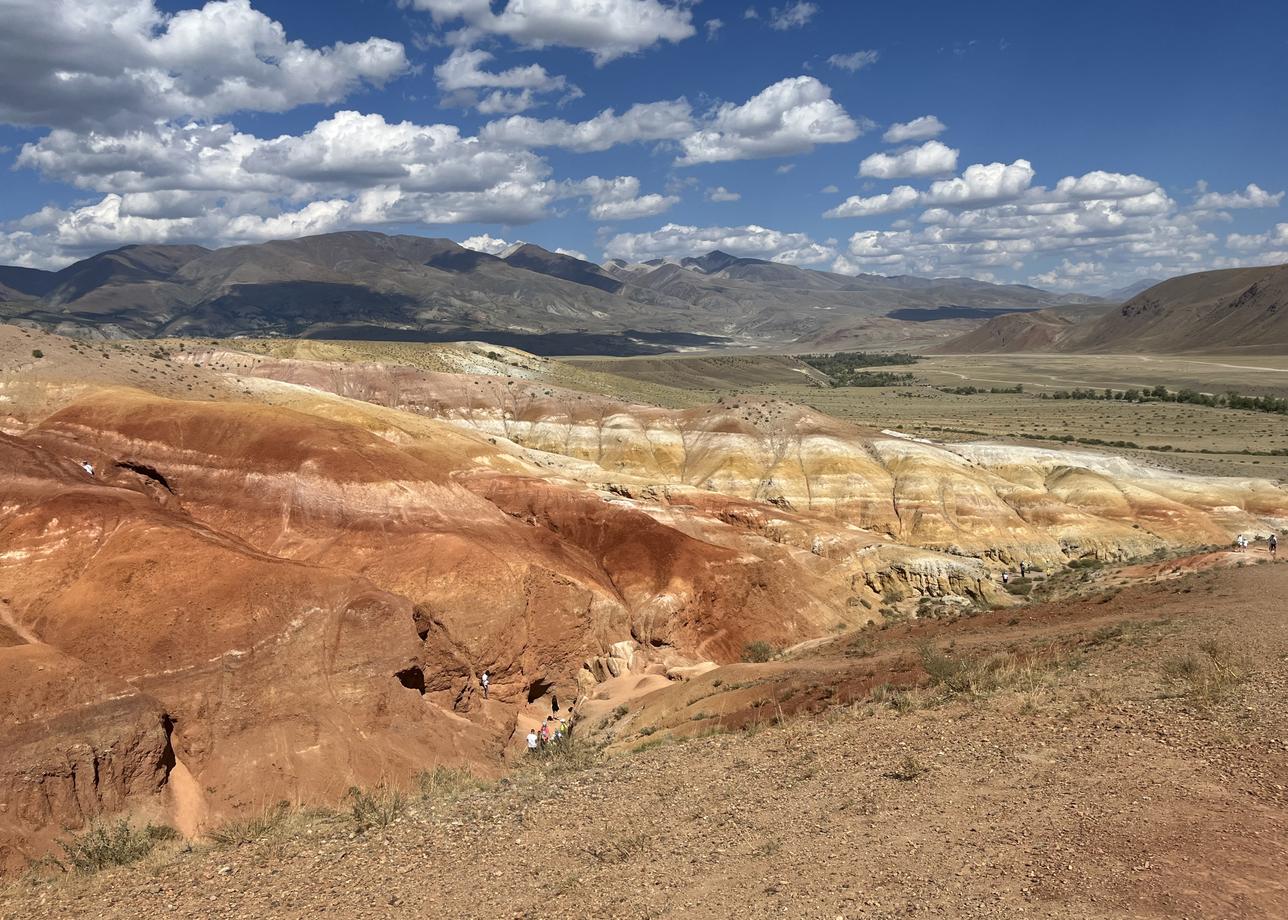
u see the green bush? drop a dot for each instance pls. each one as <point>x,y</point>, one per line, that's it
<point>37,353</point>
<point>759,651</point>
<point>119,844</point>
<point>250,830</point>
<point>377,808</point>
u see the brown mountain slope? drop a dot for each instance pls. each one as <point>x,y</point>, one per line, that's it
<point>1232,310</point>
<point>374,286</point>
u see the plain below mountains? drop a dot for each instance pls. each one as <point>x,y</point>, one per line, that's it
<point>362,285</point>
<point>1239,310</point>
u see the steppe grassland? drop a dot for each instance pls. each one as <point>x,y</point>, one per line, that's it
<point>1202,440</point>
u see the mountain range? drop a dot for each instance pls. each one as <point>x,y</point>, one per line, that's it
<point>368,285</point>
<point>1236,309</point>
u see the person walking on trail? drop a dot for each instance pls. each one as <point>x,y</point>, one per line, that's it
<point>532,741</point>
<point>1273,544</point>
<point>1006,578</point>
<point>1024,570</point>
<point>486,682</point>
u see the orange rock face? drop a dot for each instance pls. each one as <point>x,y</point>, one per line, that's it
<point>272,590</point>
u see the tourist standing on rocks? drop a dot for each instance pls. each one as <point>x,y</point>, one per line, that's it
<point>1273,544</point>
<point>486,682</point>
<point>1006,578</point>
<point>532,741</point>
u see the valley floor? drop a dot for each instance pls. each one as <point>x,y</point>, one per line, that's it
<point>1145,774</point>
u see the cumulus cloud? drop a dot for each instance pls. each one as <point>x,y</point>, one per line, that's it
<point>919,129</point>
<point>713,27</point>
<point>991,217</point>
<point>212,183</point>
<point>573,253</point>
<point>679,240</point>
<point>898,199</point>
<point>465,82</point>
<point>121,63</point>
<point>1251,197</point>
<point>648,121</point>
<point>607,28</point>
<point>720,193</point>
<point>486,243</point>
<point>787,118</point>
<point>619,198</point>
<point>854,61</point>
<point>793,16</point>
<point>932,158</point>
<point>983,182</point>
<point>1070,276</point>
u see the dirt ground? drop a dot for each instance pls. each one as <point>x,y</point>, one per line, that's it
<point>1142,772</point>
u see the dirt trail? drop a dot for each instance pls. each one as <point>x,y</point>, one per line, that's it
<point>1103,790</point>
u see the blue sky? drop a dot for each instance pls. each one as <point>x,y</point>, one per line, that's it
<point>1071,147</point>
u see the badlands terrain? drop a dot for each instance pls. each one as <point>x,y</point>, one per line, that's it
<point>294,560</point>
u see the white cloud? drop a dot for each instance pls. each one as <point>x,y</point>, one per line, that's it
<point>678,240</point>
<point>713,26</point>
<point>855,61</point>
<point>720,193</point>
<point>573,253</point>
<point>793,16</point>
<point>1072,276</point>
<point>619,198</point>
<point>919,129</point>
<point>1251,197</point>
<point>649,121</point>
<point>930,159</point>
<point>994,219</point>
<point>789,117</point>
<point>486,243</point>
<point>124,63</point>
<point>1101,184</point>
<point>214,184</point>
<point>784,169</point>
<point>829,190</point>
<point>464,82</point>
<point>983,182</point>
<point>897,199</point>
<point>607,28</point>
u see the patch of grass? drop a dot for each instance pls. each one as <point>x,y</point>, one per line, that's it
<point>249,830</point>
<point>567,756</point>
<point>447,783</point>
<point>106,845</point>
<point>1207,675</point>
<point>377,808</point>
<point>975,676</point>
<point>759,651</point>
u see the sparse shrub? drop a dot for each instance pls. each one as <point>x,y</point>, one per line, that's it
<point>759,651</point>
<point>1208,675</point>
<point>1021,587</point>
<point>377,808</point>
<point>445,782</point>
<point>250,830</point>
<point>119,844</point>
<point>37,353</point>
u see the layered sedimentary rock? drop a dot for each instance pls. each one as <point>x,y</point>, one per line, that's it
<point>285,578</point>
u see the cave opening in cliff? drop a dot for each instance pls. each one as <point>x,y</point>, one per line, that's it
<point>413,679</point>
<point>539,688</point>
<point>168,756</point>
<point>147,472</point>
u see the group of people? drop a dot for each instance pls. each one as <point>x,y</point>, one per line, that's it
<point>1272,544</point>
<point>552,731</point>
<point>1024,571</point>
